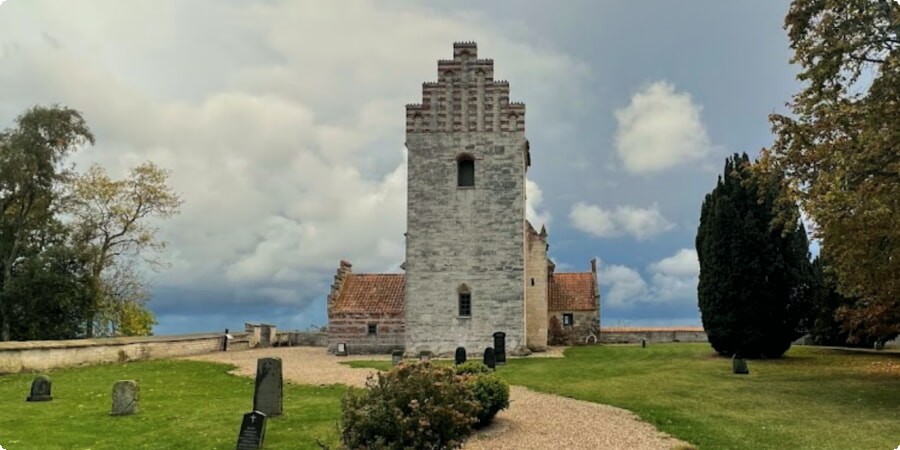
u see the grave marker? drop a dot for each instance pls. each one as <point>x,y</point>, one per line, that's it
<point>40,389</point>
<point>460,355</point>
<point>253,431</point>
<point>268,395</point>
<point>739,366</point>
<point>396,357</point>
<point>500,347</point>
<point>489,358</point>
<point>341,349</point>
<point>126,398</point>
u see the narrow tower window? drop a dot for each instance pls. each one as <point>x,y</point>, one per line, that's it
<point>465,166</point>
<point>465,305</point>
<point>465,300</point>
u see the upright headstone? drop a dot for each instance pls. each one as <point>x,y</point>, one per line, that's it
<point>460,355</point>
<point>341,349</point>
<point>489,358</point>
<point>396,357</point>
<point>267,398</point>
<point>40,389</point>
<point>643,343</point>
<point>739,366</point>
<point>500,347</point>
<point>126,398</point>
<point>253,431</point>
<point>424,355</point>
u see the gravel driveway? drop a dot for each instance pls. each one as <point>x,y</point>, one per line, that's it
<point>533,421</point>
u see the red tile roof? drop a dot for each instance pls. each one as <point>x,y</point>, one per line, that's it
<point>371,293</point>
<point>572,292</point>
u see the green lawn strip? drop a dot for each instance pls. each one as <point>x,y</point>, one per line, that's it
<point>184,404</point>
<point>811,399</point>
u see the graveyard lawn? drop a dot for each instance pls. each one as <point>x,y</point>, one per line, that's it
<point>183,404</point>
<point>813,398</point>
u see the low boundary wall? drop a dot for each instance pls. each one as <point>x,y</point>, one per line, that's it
<point>626,335</point>
<point>30,356</point>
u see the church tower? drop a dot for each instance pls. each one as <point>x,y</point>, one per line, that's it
<point>465,248</point>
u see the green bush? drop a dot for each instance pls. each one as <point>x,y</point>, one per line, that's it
<point>491,393</point>
<point>472,367</point>
<point>413,406</point>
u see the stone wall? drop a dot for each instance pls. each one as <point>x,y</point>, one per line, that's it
<point>536,318</point>
<point>635,335</point>
<point>46,355</point>
<point>472,236</point>
<point>352,329</point>
<point>584,324</point>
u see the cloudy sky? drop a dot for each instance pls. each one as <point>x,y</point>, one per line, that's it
<point>282,123</point>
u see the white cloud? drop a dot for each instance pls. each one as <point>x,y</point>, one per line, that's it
<point>676,276</point>
<point>281,123</point>
<point>640,223</point>
<point>672,280</point>
<point>533,200</point>
<point>683,263</point>
<point>660,129</point>
<point>621,284</point>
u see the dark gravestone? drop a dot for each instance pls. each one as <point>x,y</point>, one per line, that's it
<point>739,366</point>
<point>424,355</point>
<point>500,347</point>
<point>267,398</point>
<point>879,345</point>
<point>126,398</point>
<point>460,355</point>
<point>489,358</point>
<point>643,343</point>
<point>396,357</point>
<point>40,389</point>
<point>253,431</point>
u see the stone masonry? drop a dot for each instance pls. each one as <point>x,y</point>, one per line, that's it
<point>537,269</point>
<point>471,236</point>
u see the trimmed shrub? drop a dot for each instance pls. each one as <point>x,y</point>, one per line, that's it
<point>413,406</point>
<point>491,392</point>
<point>472,367</point>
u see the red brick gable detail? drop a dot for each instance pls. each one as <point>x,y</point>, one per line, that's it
<point>572,292</point>
<point>370,293</point>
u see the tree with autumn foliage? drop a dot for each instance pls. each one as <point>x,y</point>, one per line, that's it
<point>112,224</point>
<point>73,246</point>
<point>840,150</point>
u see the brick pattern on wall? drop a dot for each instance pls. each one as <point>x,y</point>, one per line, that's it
<point>352,329</point>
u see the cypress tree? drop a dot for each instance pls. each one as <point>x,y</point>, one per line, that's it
<point>754,272</point>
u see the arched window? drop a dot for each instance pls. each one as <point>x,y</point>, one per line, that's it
<point>465,301</point>
<point>465,168</point>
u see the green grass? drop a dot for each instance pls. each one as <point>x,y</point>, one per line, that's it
<point>184,405</point>
<point>811,399</point>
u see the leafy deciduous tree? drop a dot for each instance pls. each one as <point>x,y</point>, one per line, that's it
<point>840,149</point>
<point>112,222</point>
<point>31,154</point>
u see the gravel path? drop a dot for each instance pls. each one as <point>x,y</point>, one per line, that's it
<point>533,421</point>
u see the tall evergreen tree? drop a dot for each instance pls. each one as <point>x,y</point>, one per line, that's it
<point>754,272</point>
